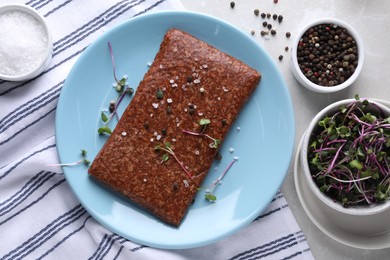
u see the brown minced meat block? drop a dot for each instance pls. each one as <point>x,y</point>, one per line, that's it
<point>197,81</point>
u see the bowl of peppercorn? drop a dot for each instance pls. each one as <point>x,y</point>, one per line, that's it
<point>345,158</point>
<point>328,55</point>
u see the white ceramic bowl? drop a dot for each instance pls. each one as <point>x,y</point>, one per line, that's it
<point>44,56</point>
<point>363,220</point>
<point>315,87</point>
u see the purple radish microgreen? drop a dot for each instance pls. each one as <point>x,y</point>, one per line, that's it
<point>83,160</point>
<point>122,88</point>
<point>165,157</point>
<point>349,155</point>
<point>210,189</point>
<point>204,122</point>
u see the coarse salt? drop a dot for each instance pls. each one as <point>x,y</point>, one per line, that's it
<point>23,43</point>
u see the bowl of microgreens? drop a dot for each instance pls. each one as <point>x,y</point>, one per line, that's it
<point>345,157</point>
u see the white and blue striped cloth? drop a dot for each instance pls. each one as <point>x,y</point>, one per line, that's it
<point>39,215</point>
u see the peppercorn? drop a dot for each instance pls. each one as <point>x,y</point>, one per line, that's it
<point>256,11</point>
<point>268,15</point>
<point>269,26</point>
<point>280,57</point>
<point>191,109</point>
<point>273,32</point>
<point>130,91</point>
<point>263,15</point>
<point>286,48</point>
<point>288,34</point>
<point>280,18</point>
<point>265,24</point>
<point>111,107</point>
<point>275,16</point>
<point>232,4</point>
<point>252,32</point>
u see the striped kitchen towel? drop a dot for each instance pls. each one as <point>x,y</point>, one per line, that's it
<point>39,215</point>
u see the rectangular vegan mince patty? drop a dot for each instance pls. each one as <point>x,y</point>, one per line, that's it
<point>189,80</point>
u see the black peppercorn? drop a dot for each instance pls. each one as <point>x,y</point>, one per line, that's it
<point>265,24</point>
<point>280,18</point>
<point>112,106</point>
<point>232,4</point>
<point>218,157</point>
<point>273,32</point>
<point>288,34</point>
<point>164,132</point>
<point>275,16</point>
<point>263,15</point>
<point>280,57</point>
<point>130,91</point>
<point>256,11</point>
<point>269,26</point>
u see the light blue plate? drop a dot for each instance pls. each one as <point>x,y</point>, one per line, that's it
<point>264,144</point>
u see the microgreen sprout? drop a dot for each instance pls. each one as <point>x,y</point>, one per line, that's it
<point>122,88</point>
<point>204,122</point>
<point>83,160</point>
<point>165,157</point>
<point>209,190</point>
<point>349,154</point>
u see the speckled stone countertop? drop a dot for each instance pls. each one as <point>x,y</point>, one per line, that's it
<point>372,21</point>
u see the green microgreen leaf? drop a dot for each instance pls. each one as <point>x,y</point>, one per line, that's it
<point>86,162</point>
<point>104,117</point>
<point>83,152</point>
<point>104,129</point>
<point>165,157</point>
<point>204,121</point>
<point>210,197</point>
<point>356,164</point>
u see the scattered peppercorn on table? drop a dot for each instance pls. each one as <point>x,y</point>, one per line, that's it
<point>260,20</point>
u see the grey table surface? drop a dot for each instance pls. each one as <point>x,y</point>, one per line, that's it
<point>371,18</point>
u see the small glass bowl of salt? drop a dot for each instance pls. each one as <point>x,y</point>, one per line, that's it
<point>25,43</point>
